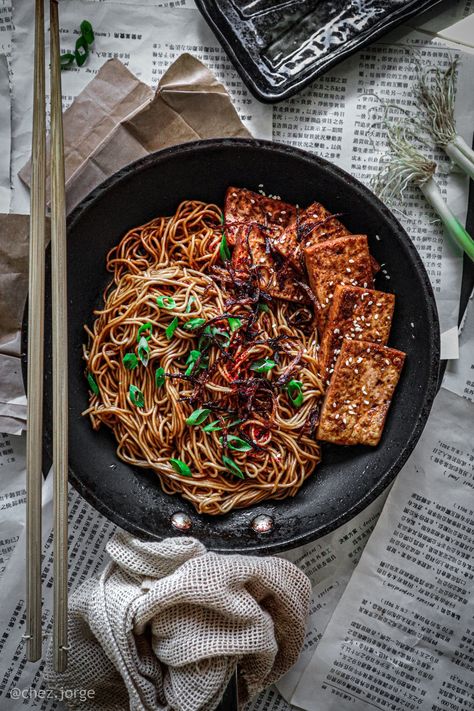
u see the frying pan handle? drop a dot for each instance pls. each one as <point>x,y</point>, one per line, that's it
<point>230,700</point>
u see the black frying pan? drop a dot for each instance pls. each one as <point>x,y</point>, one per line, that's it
<point>349,478</point>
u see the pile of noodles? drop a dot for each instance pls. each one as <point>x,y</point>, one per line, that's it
<point>179,257</point>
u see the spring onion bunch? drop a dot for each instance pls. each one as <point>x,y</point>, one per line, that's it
<point>403,165</point>
<point>435,91</point>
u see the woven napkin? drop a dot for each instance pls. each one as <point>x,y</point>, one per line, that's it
<point>165,625</point>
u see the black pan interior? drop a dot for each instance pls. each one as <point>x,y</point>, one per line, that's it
<point>348,478</point>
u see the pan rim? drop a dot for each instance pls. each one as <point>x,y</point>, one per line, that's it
<point>261,545</point>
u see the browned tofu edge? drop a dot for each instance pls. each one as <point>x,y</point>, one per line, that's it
<point>332,424</point>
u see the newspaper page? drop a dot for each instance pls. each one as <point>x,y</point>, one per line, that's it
<point>12,495</point>
<point>333,116</point>
<point>329,563</point>
<point>146,46</point>
<point>459,375</point>
<point>6,26</point>
<point>401,637</point>
<point>89,532</point>
<point>5,135</point>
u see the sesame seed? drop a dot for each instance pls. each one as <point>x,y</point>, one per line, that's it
<point>412,324</point>
<point>260,185</point>
<point>356,371</point>
<point>359,360</point>
<point>365,285</point>
<point>283,212</point>
<point>377,238</point>
<point>336,330</point>
<point>348,270</point>
<point>387,276</point>
<point>376,316</point>
<point>334,404</point>
<point>366,402</point>
<point>370,303</point>
<point>387,361</point>
<point>336,416</point>
<point>351,261</point>
<point>252,201</point>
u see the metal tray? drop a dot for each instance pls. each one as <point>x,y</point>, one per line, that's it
<point>280,46</point>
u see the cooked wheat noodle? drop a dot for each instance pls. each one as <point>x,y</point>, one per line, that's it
<point>174,257</point>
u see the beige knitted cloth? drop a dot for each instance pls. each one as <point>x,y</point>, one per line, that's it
<point>165,624</point>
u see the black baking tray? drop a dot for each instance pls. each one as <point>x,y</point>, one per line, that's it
<point>280,46</point>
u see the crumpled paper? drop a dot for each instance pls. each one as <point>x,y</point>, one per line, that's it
<point>118,119</point>
<point>114,121</point>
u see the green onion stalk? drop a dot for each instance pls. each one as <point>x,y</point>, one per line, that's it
<point>403,165</point>
<point>436,92</point>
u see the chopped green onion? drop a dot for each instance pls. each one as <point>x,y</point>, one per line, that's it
<point>67,60</point>
<point>145,327</point>
<point>166,302</point>
<point>212,426</point>
<point>87,32</point>
<point>191,361</point>
<point>222,336</point>
<point>144,351</point>
<point>191,301</point>
<point>136,396</point>
<point>264,308</point>
<point>130,361</point>
<point>295,392</point>
<point>172,328</point>
<point>81,51</point>
<point>234,442</point>
<point>159,377</point>
<point>198,416</point>
<point>263,365</point>
<point>215,426</point>
<point>194,323</point>
<point>234,323</point>
<point>224,250</point>
<point>232,467</point>
<point>180,467</point>
<point>92,384</point>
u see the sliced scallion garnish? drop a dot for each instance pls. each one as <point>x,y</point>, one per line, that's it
<point>295,392</point>
<point>180,467</point>
<point>194,323</point>
<point>144,351</point>
<point>191,301</point>
<point>159,377</point>
<point>198,416</point>
<point>232,467</point>
<point>263,365</point>
<point>172,328</point>
<point>67,60</point>
<point>145,327</point>
<point>87,32</point>
<point>92,384</point>
<point>81,51</point>
<point>130,360</point>
<point>136,396</point>
<point>216,426</point>
<point>234,323</point>
<point>166,302</point>
<point>236,443</point>
<point>224,250</point>
<point>264,308</point>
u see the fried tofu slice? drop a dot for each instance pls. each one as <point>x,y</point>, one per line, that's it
<point>243,208</point>
<point>253,255</point>
<point>345,261</point>
<point>360,392</point>
<point>307,228</point>
<point>355,314</point>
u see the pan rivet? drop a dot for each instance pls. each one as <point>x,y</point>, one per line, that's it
<point>262,523</point>
<point>181,521</point>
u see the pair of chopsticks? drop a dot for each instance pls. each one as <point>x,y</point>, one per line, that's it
<point>34,440</point>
